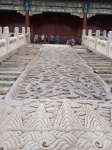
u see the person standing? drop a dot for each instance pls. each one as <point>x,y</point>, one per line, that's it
<point>36,38</point>
<point>51,39</point>
<point>73,41</point>
<point>42,38</point>
<point>57,39</point>
<point>46,39</point>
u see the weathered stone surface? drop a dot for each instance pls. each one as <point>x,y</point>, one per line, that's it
<point>57,103</point>
<point>100,64</point>
<point>57,73</point>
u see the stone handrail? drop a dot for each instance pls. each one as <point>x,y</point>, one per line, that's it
<point>101,47</point>
<point>10,44</point>
<point>21,40</point>
<point>110,50</point>
<point>98,44</point>
<point>3,47</point>
<point>91,43</point>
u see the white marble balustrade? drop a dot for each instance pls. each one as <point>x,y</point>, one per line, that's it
<point>98,44</point>
<point>9,44</point>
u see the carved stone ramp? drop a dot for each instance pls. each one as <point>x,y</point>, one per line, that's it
<point>12,67</point>
<point>100,64</point>
<point>57,103</point>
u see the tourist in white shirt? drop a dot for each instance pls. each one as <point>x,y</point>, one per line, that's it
<point>42,38</point>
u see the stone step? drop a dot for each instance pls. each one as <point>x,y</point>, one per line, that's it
<point>94,59</point>
<point>4,89</point>
<point>92,56</point>
<point>108,80</point>
<point>102,68</point>
<point>103,71</point>
<point>6,83</point>
<point>8,77</point>
<point>13,63</point>
<point>16,69</point>
<point>79,47</point>
<point>23,56</point>
<point>105,75</point>
<point>100,65</point>
<point>13,66</point>
<point>16,61</point>
<point>10,72</point>
<point>2,96</point>
<point>89,54</point>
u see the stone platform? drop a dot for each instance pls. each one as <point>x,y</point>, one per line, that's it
<point>57,103</point>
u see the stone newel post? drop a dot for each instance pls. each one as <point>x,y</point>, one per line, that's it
<point>16,33</point>
<point>90,33</point>
<point>23,32</point>
<point>83,34</point>
<point>6,34</point>
<point>97,37</point>
<point>104,34</point>
<point>0,32</point>
<point>109,41</point>
<point>28,32</point>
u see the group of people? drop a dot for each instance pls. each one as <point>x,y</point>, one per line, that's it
<point>70,41</point>
<point>45,39</point>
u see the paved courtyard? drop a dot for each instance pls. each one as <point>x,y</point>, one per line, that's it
<point>57,103</point>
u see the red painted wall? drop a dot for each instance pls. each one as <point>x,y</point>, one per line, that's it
<point>62,24</point>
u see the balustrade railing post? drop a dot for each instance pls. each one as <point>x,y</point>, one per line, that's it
<point>104,34</point>
<point>96,38</point>
<point>16,33</point>
<point>108,42</point>
<point>83,34</point>
<point>28,32</point>
<point>24,34</point>
<point>89,35</point>
<point>0,32</point>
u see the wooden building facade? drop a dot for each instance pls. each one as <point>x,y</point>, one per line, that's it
<point>63,17</point>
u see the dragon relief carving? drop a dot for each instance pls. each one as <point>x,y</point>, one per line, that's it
<point>59,105</point>
<point>55,75</point>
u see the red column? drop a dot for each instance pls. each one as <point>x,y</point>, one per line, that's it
<point>84,21</point>
<point>27,20</point>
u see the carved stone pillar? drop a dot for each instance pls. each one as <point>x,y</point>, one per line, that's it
<point>0,32</point>
<point>27,19</point>
<point>6,33</point>
<point>17,35</point>
<point>84,21</point>
<point>24,34</point>
<point>104,34</point>
<point>83,34</point>
<point>28,32</point>
<point>90,33</point>
<point>97,37</point>
<point>108,42</point>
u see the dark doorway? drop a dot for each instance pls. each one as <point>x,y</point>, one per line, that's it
<point>62,24</point>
